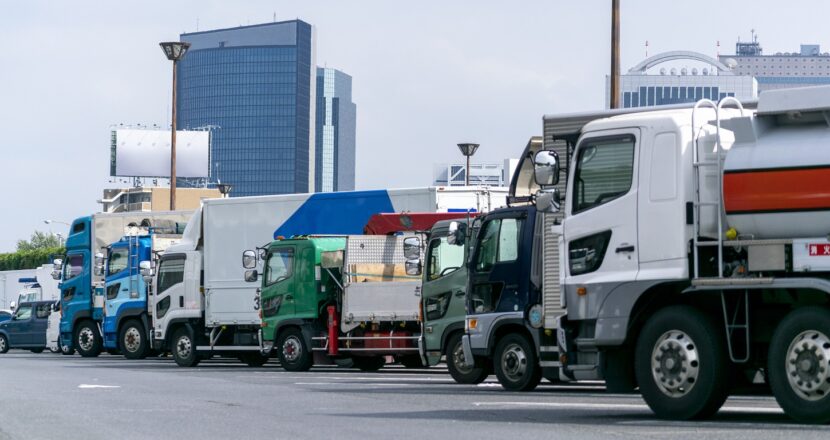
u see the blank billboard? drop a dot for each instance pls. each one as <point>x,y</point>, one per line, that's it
<point>146,153</point>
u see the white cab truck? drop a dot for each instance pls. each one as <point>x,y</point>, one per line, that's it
<point>695,255</point>
<point>204,306</point>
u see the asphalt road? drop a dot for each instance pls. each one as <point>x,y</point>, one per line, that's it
<point>50,396</point>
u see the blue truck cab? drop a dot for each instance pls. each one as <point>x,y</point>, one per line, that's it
<point>78,327</point>
<point>125,313</point>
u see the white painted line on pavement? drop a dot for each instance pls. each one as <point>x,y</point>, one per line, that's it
<point>84,386</point>
<point>605,406</point>
<point>375,384</point>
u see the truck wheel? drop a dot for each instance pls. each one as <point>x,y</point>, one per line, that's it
<point>680,363</point>
<point>56,349</point>
<point>459,369</point>
<point>254,359</point>
<point>87,339</point>
<point>410,361</point>
<point>4,344</point>
<point>798,370</point>
<point>516,365</point>
<point>369,363</point>
<point>133,340</point>
<point>66,350</point>
<point>184,348</point>
<point>36,350</point>
<point>292,351</point>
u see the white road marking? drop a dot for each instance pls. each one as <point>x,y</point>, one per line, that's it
<point>606,406</point>
<point>84,386</point>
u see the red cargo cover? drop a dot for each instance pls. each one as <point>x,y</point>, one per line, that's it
<point>384,224</point>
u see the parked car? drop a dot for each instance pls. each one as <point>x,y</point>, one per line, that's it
<point>5,315</point>
<point>27,327</point>
<point>53,332</point>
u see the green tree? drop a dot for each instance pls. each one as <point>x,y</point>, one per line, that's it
<point>39,240</point>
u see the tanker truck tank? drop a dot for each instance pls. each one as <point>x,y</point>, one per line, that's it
<point>776,176</point>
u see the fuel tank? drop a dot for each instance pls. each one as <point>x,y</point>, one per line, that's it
<point>779,185</point>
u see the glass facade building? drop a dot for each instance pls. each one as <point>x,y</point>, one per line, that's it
<point>255,86</point>
<point>336,119</point>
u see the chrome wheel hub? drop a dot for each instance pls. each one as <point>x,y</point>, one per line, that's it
<point>291,349</point>
<point>86,339</point>
<point>132,340</point>
<point>2,344</point>
<point>675,363</point>
<point>808,365</point>
<point>514,362</point>
<point>184,347</point>
<point>459,361</point>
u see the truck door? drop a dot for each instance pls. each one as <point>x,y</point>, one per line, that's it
<point>278,293</point>
<point>39,324</point>
<point>498,280</point>
<point>600,226</point>
<point>443,291</point>
<point>76,298</point>
<point>117,284</point>
<point>170,289</point>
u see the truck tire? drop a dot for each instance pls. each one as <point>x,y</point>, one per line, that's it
<point>4,344</point>
<point>797,365</point>
<point>253,359</point>
<point>132,340</point>
<point>681,365</point>
<point>292,351</point>
<point>88,339</point>
<point>515,363</point>
<point>184,348</point>
<point>369,363</point>
<point>410,361</point>
<point>460,371</point>
<point>36,350</point>
<point>54,350</point>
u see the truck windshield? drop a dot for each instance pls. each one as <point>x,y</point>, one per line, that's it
<point>499,243</point>
<point>279,265</point>
<point>73,267</point>
<point>443,258</point>
<point>117,261</point>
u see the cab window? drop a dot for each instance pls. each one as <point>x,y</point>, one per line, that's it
<point>23,313</point>
<point>279,265</point>
<point>443,258</point>
<point>604,170</point>
<point>499,243</point>
<point>171,272</point>
<point>73,267</point>
<point>117,261</point>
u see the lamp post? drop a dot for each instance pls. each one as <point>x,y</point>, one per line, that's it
<point>467,149</point>
<point>174,50</point>
<point>224,189</point>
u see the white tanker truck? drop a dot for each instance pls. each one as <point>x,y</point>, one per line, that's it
<point>695,253</point>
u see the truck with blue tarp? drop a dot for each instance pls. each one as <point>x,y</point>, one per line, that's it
<point>82,286</point>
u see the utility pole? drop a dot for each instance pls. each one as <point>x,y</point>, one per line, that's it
<point>615,53</point>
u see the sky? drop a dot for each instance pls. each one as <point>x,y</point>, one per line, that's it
<point>426,76</point>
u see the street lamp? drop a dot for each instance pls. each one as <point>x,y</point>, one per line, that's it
<point>224,189</point>
<point>174,50</point>
<point>467,150</point>
<point>49,222</point>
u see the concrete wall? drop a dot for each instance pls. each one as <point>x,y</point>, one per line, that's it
<point>187,199</point>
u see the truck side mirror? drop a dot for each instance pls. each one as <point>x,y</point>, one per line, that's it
<point>251,276</point>
<point>546,168</point>
<point>13,305</point>
<point>457,234</point>
<point>249,259</point>
<point>99,264</point>
<point>146,268</point>
<point>548,200</point>
<point>57,265</point>
<point>412,248</point>
<point>413,267</point>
